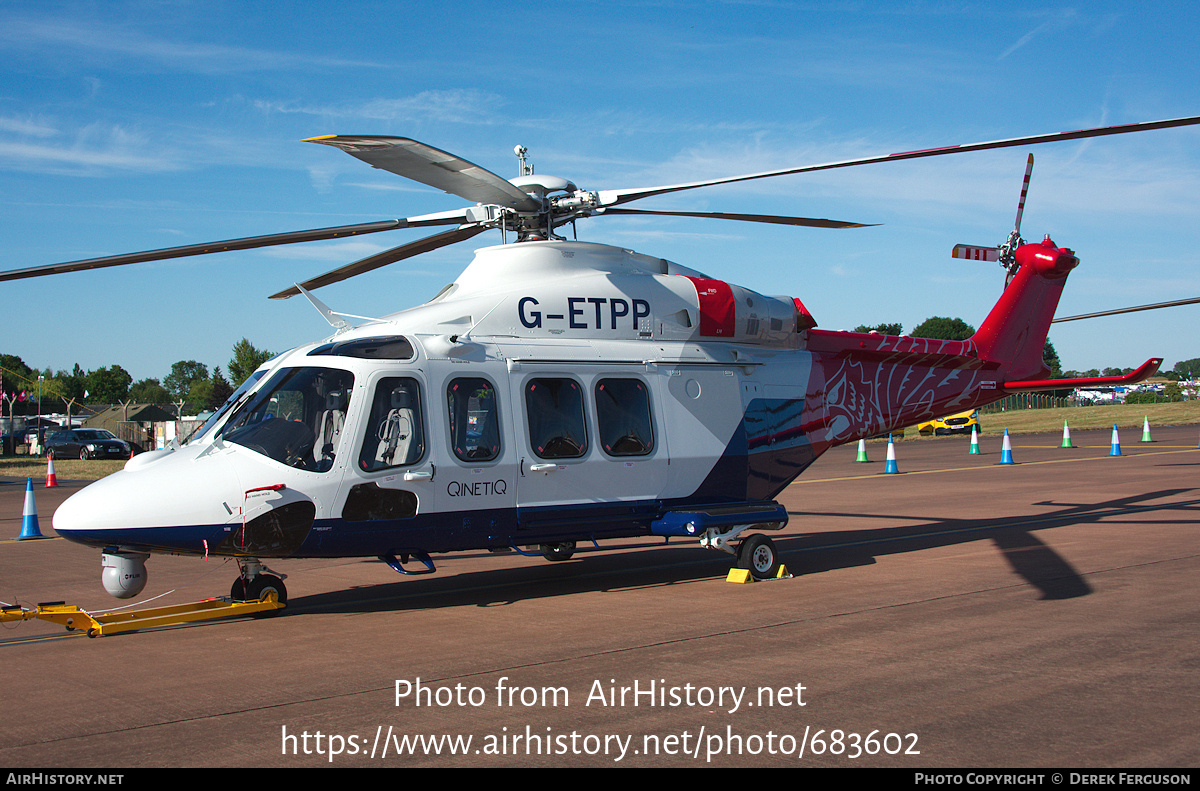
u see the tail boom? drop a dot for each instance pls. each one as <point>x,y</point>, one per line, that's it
<point>864,384</point>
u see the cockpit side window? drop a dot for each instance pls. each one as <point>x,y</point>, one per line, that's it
<point>395,435</point>
<point>296,419</point>
<point>474,420</point>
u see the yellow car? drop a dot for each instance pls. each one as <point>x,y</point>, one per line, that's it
<point>954,424</point>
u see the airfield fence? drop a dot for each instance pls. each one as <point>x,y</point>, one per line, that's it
<point>1031,401</point>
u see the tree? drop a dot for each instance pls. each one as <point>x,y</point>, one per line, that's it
<point>1050,358</point>
<point>72,384</point>
<point>883,329</point>
<point>1188,368</point>
<point>199,395</point>
<point>149,391</point>
<point>941,328</point>
<point>245,360</point>
<point>221,389</point>
<point>184,374</point>
<point>108,385</point>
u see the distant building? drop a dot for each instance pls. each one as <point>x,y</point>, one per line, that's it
<point>134,423</point>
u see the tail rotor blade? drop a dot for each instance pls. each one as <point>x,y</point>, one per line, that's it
<point>973,252</point>
<point>1024,192</point>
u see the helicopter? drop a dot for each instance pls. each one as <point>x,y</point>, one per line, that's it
<point>557,392</point>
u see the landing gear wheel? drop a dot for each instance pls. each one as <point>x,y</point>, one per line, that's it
<point>758,555</point>
<point>563,550</point>
<point>255,589</point>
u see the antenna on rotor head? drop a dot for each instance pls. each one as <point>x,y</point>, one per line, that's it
<point>525,167</point>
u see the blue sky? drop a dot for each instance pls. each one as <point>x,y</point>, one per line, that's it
<point>136,125</point>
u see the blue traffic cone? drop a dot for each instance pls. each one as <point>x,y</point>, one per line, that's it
<point>1006,450</point>
<point>1116,443</point>
<point>891,467</point>
<point>974,450</point>
<point>29,522</point>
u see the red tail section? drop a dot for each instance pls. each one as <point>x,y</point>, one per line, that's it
<point>1014,333</point>
<point>865,384</point>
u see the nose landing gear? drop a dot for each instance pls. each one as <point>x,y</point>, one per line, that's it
<point>255,583</point>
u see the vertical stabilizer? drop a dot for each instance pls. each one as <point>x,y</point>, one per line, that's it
<point>1014,333</point>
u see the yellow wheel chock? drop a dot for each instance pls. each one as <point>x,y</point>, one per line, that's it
<point>744,575</point>
<point>73,618</point>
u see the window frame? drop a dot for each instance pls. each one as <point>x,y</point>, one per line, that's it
<point>371,420</point>
<point>540,449</point>
<point>604,415</point>
<point>460,450</point>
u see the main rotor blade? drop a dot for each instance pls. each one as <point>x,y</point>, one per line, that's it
<point>1155,306</point>
<point>247,243</point>
<point>434,167</point>
<point>617,197</point>
<point>768,218</point>
<point>386,257</point>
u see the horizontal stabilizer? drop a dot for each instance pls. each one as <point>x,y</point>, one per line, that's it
<point>1147,369</point>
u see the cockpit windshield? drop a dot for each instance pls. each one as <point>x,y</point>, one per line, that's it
<point>234,398</point>
<point>296,419</point>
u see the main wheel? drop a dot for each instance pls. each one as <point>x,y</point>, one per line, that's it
<point>560,551</point>
<point>255,589</point>
<point>757,554</point>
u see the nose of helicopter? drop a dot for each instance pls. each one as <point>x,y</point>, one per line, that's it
<point>168,502</point>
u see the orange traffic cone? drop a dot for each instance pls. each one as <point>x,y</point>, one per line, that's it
<point>51,478</point>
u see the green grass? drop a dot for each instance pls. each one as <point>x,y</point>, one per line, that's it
<point>66,469</point>
<point>1033,421</point>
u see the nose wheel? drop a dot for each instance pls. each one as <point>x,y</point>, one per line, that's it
<point>254,584</point>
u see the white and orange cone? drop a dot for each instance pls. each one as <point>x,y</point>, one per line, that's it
<point>51,478</point>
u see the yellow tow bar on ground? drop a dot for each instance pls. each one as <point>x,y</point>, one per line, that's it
<point>73,618</point>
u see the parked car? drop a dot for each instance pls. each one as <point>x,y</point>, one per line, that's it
<point>86,443</point>
<point>960,423</point>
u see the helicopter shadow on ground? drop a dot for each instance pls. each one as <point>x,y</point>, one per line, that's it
<point>609,568</point>
<point>1029,557</point>
<point>657,564</point>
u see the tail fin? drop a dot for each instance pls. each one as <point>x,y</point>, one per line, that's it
<point>1014,333</point>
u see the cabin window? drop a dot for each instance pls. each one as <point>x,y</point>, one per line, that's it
<point>623,416</point>
<point>395,433</point>
<point>474,420</point>
<point>296,418</point>
<point>554,408</point>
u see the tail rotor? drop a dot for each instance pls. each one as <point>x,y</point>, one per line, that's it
<point>1005,253</point>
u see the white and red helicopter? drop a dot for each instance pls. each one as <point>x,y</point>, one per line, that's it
<point>556,392</point>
